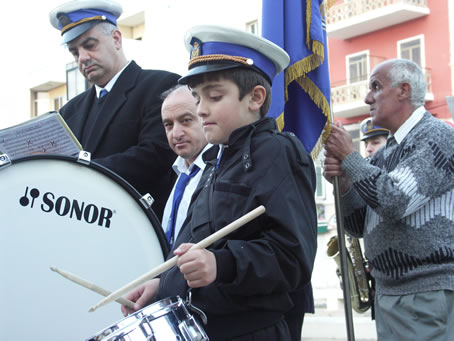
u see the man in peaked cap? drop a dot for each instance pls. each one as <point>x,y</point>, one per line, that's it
<point>244,281</point>
<point>373,136</point>
<point>118,120</point>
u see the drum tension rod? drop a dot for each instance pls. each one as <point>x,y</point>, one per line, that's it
<point>194,309</point>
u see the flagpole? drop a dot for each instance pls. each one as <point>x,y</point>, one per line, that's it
<point>343,255</point>
<point>343,263</point>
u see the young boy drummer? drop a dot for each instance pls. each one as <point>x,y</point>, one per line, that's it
<point>243,282</point>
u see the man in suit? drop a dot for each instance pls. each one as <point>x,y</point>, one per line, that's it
<point>186,138</point>
<point>118,120</point>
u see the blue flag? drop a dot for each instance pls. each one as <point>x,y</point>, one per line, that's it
<point>301,94</point>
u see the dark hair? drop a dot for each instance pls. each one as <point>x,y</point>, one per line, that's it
<point>245,80</point>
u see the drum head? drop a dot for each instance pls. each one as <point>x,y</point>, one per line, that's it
<point>78,218</point>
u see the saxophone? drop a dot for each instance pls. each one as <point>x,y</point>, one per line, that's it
<point>357,271</point>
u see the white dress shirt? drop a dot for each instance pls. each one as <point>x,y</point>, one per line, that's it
<point>111,83</point>
<point>180,166</point>
<point>408,125</point>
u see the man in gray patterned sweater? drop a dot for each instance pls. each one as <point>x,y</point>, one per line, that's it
<point>402,203</point>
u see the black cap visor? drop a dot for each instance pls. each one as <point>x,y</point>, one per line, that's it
<point>374,133</point>
<point>206,68</point>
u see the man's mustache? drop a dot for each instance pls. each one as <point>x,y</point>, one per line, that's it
<point>87,64</point>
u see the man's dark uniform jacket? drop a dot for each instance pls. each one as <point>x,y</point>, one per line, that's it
<point>125,131</point>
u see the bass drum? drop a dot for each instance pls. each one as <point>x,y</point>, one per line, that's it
<point>80,218</point>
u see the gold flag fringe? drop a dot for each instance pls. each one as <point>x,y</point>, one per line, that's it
<point>298,72</point>
<point>280,121</point>
<point>320,101</point>
<point>300,69</point>
<point>308,23</point>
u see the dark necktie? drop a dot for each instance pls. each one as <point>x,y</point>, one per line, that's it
<point>390,141</point>
<point>102,93</point>
<point>177,195</point>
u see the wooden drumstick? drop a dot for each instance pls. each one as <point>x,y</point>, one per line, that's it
<point>91,286</point>
<point>173,261</point>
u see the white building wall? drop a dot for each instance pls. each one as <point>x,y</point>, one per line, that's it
<point>32,52</point>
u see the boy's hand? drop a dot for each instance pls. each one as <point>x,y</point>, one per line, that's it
<point>197,266</point>
<point>142,296</point>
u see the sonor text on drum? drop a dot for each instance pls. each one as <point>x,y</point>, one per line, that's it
<point>65,207</point>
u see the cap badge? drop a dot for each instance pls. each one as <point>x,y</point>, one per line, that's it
<point>369,125</point>
<point>196,48</point>
<point>63,19</point>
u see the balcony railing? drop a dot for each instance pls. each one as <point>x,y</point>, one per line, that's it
<point>356,17</point>
<point>347,98</point>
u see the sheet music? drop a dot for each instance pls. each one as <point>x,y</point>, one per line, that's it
<point>45,134</point>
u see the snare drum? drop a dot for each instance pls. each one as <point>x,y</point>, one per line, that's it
<point>165,320</point>
<point>80,218</point>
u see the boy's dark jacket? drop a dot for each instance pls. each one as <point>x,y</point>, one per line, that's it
<point>260,263</point>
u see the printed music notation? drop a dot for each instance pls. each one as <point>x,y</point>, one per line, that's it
<point>46,134</point>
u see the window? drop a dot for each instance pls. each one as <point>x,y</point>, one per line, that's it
<point>58,103</point>
<point>357,67</point>
<point>353,129</point>
<point>320,180</point>
<point>412,49</point>
<point>75,81</point>
<point>320,189</point>
<point>253,27</point>
<point>40,102</point>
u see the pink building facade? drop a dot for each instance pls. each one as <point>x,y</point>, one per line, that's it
<point>363,33</point>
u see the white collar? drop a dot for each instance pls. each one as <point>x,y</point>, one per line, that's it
<point>111,83</point>
<point>408,125</point>
<point>180,166</point>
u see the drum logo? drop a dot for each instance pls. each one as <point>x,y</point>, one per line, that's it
<point>64,206</point>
